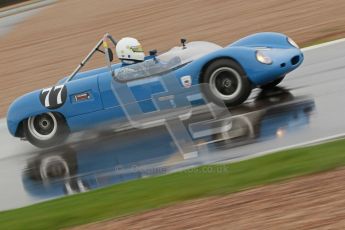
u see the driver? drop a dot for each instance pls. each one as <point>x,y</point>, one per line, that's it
<point>129,51</point>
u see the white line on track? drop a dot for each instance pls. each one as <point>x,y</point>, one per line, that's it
<point>303,144</point>
<point>323,44</point>
<point>3,122</point>
<point>28,7</point>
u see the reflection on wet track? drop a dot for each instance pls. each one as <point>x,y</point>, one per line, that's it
<point>117,157</point>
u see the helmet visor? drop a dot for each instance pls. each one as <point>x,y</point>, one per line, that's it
<point>137,48</point>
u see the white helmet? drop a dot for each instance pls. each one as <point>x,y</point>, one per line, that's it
<point>129,49</point>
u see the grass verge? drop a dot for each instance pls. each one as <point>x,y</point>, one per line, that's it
<point>140,195</point>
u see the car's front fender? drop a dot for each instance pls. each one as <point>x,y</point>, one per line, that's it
<point>23,107</point>
<point>264,39</point>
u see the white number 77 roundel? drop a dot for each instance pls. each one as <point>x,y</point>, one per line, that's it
<point>53,97</point>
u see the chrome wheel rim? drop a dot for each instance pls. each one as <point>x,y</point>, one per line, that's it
<point>225,83</point>
<point>43,126</point>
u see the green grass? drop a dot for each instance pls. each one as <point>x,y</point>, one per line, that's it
<point>140,195</point>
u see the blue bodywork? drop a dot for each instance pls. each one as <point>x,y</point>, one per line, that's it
<point>102,104</point>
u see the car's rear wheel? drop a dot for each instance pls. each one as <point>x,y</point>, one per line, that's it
<point>272,84</point>
<point>45,130</point>
<point>224,82</point>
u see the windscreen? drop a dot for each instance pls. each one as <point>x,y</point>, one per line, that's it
<point>191,52</point>
<point>151,67</point>
<point>166,62</point>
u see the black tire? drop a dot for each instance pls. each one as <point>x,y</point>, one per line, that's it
<point>46,130</point>
<point>272,84</point>
<point>225,82</point>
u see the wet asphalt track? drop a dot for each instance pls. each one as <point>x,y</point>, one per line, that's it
<point>310,106</point>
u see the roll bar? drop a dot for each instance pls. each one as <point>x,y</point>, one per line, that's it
<point>107,51</point>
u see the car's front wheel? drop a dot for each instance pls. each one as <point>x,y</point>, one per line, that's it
<point>45,130</point>
<point>225,82</point>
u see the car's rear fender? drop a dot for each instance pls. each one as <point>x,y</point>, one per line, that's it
<point>30,104</point>
<point>23,107</point>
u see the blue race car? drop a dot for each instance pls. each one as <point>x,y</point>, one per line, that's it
<point>226,75</point>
